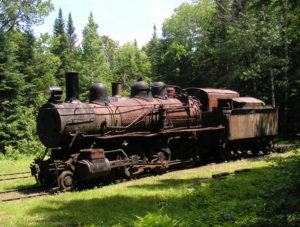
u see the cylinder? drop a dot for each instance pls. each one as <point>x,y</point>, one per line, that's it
<point>72,86</point>
<point>116,89</point>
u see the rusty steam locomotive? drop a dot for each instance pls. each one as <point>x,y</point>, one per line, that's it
<point>155,128</point>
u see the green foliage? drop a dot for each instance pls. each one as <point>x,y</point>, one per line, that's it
<point>281,194</point>
<point>248,46</point>
<point>108,47</point>
<point>59,46</point>
<point>179,197</point>
<point>155,220</point>
<point>130,64</point>
<point>71,35</point>
<point>59,24</point>
<point>91,43</point>
<point>266,197</point>
<point>182,53</point>
<point>18,94</point>
<point>155,52</point>
<point>28,65</point>
<point>93,68</point>
<point>20,133</point>
<point>22,14</point>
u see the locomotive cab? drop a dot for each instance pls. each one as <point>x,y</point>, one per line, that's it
<point>213,102</point>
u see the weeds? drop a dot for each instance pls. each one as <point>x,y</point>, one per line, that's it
<point>266,196</point>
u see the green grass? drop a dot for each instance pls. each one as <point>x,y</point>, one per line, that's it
<point>13,166</point>
<point>10,166</point>
<point>173,199</point>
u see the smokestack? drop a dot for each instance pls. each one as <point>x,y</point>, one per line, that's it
<point>72,86</point>
<point>116,89</point>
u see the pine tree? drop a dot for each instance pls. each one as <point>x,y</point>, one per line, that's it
<point>154,35</point>
<point>72,38</point>
<point>135,43</point>
<point>72,53</point>
<point>11,87</point>
<point>154,52</point>
<point>95,69</point>
<point>60,44</point>
<point>91,43</point>
<point>59,24</point>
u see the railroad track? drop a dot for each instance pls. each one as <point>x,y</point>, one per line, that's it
<point>25,197</point>
<point>21,190</point>
<point>40,191</point>
<point>24,193</point>
<point>280,148</point>
<point>14,176</point>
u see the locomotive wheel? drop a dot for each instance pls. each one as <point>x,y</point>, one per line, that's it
<point>66,181</point>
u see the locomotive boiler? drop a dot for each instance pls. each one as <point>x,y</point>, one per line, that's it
<point>156,127</point>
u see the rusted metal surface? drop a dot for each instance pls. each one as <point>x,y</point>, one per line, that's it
<point>130,135</point>
<point>91,153</point>
<point>171,92</point>
<point>246,103</point>
<point>209,97</point>
<point>219,91</point>
<point>92,164</point>
<point>116,88</point>
<point>252,123</point>
<point>136,114</point>
<point>72,86</point>
<point>57,121</point>
<point>249,100</point>
<point>98,94</point>
<point>164,132</point>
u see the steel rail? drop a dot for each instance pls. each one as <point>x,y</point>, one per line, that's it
<point>14,178</point>
<point>25,197</point>
<point>11,174</point>
<point>20,190</point>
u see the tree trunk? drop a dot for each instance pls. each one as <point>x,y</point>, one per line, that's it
<point>286,79</point>
<point>272,80</point>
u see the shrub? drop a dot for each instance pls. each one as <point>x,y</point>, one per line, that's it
<point>155,220</point>
<point>281,193</point>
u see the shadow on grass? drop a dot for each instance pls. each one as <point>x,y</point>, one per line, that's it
<point>232,201</point>
<point>268,196</point>
<point>17,185</point>
<point>169,184</point>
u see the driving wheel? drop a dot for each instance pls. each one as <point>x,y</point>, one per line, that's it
<point>66,181</point>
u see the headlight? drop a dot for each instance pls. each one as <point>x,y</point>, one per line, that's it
<point>53,94</point>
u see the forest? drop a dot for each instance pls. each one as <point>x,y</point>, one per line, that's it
<point>251,46</point>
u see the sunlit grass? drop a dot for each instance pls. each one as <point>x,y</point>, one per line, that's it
<point>120,203</point>
<point>12,166</point>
